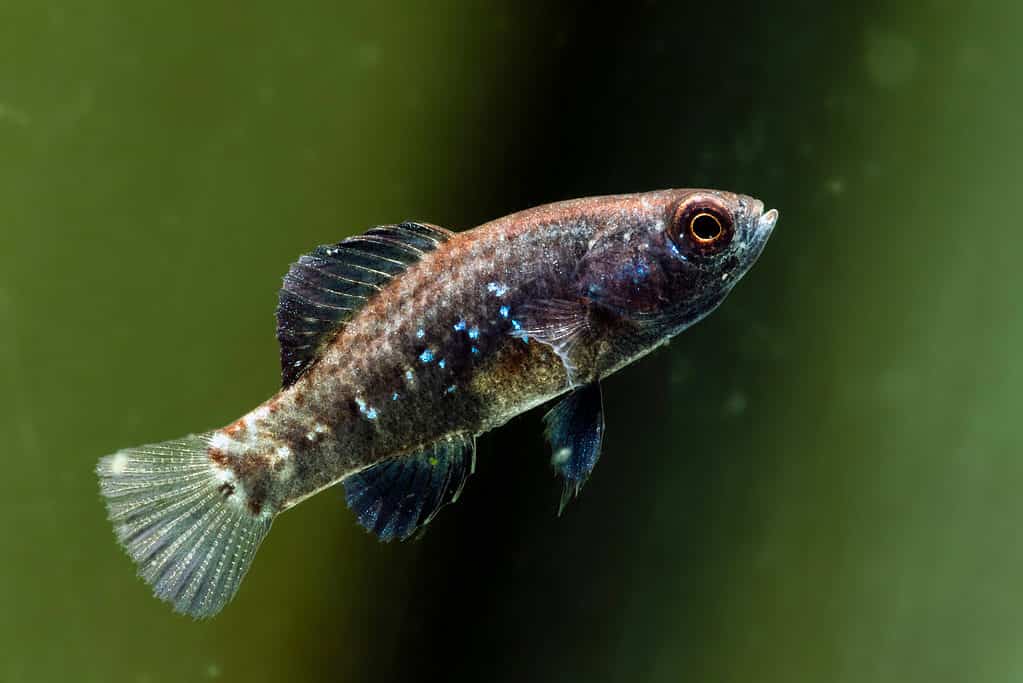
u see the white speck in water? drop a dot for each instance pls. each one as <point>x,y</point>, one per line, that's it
<point>835,186</point>
<point>891,59</point>
<point>735,404</point>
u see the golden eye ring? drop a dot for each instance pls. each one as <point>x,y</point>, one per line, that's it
<point>702,225</point>
<point>705,227</point>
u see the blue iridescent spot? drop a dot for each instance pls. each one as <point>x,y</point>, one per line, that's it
<point>516,325</point>
<point>442,362</point>
<point>639,273</point>
<point>426,356</point>
<point>497,288</point>
<point>450,389</point>
<point>394,396</point>
<point>459,326</point>
<point>474,332</point>
<point>474,350</point>
<point>504,311</point>
<point>408,375</point>
<point>370,413</point>
<point>420,333</point>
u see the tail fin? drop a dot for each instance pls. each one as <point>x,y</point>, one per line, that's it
<point>191,545</point>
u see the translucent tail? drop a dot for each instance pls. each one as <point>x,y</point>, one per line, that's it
<point>191,544</point>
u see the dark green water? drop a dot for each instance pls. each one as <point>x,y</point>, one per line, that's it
<point>820,483</point>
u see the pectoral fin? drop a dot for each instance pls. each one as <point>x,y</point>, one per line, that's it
<point>575,431</point>
<point>560,324</point>
<point>397,496</point>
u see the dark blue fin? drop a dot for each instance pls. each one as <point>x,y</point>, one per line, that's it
<point>397,496</point>
<point>558,323</point>
<point>575,431</point>
<point>325,288</point>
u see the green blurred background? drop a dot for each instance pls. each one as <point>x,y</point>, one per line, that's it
<point>820,483</point>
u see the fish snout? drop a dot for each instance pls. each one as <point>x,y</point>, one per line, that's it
<point>765,224</point>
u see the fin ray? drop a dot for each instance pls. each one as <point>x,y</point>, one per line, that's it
<point>170,516</point>
<point>558,323</point>
<point>575,431</point>
<point>325,288</point>
<point>396,497</point>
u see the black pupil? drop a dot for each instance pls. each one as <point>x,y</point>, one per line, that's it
<point>706,227</point>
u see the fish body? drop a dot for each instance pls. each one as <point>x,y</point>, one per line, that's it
<point>400,347</point>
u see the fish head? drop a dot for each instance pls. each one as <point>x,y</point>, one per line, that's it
<point>713,235</point>
<point>709,241</point>
<point>678,257</point>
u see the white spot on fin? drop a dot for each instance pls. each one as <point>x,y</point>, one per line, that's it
<point>561,456</point>
<point>119,463</point>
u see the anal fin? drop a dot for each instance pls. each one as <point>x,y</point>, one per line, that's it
<point>575,432</point>
<point>397,496</point>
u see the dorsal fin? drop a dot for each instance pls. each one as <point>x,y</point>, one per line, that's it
<point>326,287</point>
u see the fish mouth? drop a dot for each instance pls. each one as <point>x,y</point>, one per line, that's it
<point>760,229</point>
<point>765,224</point>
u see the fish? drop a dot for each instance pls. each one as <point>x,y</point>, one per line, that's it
<point>399,347</point>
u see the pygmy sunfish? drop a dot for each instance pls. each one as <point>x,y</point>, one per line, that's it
<point>400,346</point>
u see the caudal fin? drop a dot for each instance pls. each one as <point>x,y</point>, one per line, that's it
<point>191,544</point>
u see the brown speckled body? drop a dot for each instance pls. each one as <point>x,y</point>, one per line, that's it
<point>434,353</point>
<point>400,346</point>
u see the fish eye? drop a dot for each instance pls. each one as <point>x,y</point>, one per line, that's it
<point>705,227</point>
<point>702,225</point>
